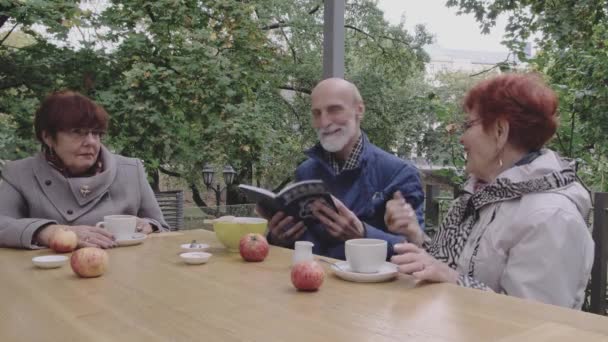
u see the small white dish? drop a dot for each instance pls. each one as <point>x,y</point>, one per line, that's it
<point>50,261</point>
<point>195,258</point>
<point>387,272</point>
<point>134,239</point>
<point>198,247</point>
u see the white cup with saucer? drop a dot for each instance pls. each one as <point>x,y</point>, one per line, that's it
<point>365,255</point>
<point>121,226</point>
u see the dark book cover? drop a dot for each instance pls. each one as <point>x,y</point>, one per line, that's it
<point>294,199</point>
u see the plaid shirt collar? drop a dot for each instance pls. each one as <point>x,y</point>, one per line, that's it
<point>351,163</point>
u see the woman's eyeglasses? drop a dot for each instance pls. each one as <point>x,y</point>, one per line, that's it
<point>82,133</point>
<point>460,128</point>
<point>468,124</point>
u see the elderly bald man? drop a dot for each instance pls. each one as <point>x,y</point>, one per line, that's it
<point>361,177</point>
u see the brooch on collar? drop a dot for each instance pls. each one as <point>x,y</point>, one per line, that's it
<point>84,190</point>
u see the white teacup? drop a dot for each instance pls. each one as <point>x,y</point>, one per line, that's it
<point>121,226</point>
<point>365,255</point>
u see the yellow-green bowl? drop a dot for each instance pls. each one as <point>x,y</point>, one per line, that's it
<point>230,232</point>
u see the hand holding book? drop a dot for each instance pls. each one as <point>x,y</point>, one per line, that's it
<point>283,231</point>
<point>342,223</point>
<point>294,200</point>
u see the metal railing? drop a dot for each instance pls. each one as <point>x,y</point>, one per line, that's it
<point>195,217</point>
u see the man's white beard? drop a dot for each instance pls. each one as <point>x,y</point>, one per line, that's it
<point>337,141</point>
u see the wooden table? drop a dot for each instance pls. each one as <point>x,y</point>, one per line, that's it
<point>148,294</point>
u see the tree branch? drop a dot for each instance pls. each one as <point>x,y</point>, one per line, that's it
<point>374,38</point>
<point>282,23</point>
<point>497,65</point>
<point>572,132</point>
<point>295,112</point>
<point>396,40</point>
<point>169,172</point>
<point>367,35</point>
<point>293,51</point>
<point>559,141</point>
<point>298,89</point>
<point>277,25</point>
<point>360,31</point>
<point>8,33</point>
<point>196,196</point>
<point>314,9</point>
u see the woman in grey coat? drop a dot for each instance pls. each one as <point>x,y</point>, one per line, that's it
<point>518,228</point>
<point>73,182</point>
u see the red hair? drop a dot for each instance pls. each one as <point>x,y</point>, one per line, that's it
<point>65,110</point>
<point>523,100</point>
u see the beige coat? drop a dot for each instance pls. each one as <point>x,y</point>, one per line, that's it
<point>537,246</point>
<point>33,194</point>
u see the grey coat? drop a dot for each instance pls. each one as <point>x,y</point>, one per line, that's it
<point>33,194</point>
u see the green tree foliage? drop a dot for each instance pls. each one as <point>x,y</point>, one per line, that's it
<point>381,59</point>
<point>572,37</point>
<point>189,82</point>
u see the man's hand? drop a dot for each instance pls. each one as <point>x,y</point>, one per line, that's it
<point>400,218</point>
<point>282,230</point>
<point>343,225</point>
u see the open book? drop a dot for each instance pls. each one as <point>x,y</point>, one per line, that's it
<point>294,199</point>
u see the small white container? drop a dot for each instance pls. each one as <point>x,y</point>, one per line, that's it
<point>198,247</point>
<point>195,258</point>
<point>302,251</point>
<point>50,261</point>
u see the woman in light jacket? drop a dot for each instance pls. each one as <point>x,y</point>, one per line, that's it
<point>519,226</point>
<point>74,182</point>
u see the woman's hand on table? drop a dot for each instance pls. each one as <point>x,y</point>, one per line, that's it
<point>143,226</point>
<point>413,260</point>
<point>88,236</point>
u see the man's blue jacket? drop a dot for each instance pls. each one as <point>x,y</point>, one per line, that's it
<point>365,191</point>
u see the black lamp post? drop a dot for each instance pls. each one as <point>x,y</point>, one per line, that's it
<point>209,172</point>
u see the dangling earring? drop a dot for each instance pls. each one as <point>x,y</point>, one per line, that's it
<point>499,155</point>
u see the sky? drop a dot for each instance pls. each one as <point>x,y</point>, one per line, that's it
<point>451,30</point>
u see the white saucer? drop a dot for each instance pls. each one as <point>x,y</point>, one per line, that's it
<point>195,258</point>
<point>387,271</point>
<point>198,247</point>
<point>135,239</point>
<point>50,261</point>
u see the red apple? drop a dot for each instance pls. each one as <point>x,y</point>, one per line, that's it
<point>253,247</point>
<point>63,241</point>
<point>89,262</point>
<point>307,275</point>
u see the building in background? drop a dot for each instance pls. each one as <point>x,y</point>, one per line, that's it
<point>469,61</point>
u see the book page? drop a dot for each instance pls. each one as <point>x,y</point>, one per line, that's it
<point>255,189</point>
<point>298,184</point>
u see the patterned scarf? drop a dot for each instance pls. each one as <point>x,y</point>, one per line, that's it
<point>455,229</point>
